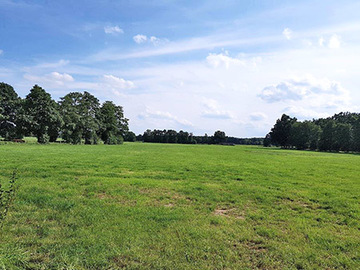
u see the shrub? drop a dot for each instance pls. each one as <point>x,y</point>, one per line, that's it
<point>115,140</point>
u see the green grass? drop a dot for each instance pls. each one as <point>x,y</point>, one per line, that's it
<point>156,206</point>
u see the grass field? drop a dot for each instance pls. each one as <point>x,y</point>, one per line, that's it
<point>156,206</point>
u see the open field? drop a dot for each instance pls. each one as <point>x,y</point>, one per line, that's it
<point>154,206</point>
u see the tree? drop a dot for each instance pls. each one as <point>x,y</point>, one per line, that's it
<point>314,135</point>
<point>9,112</point>
<point>327,136</point>
<point>90,109</point>
<point>113,124</point>
<point>304,135</point>
<point>172,136</point>
<point>280,133</point>
<point>130,136</point>
<point>342,137</point>
<point>267,140</point>
<point>356,135</point>
<point>219,137</point>
<point>42,114</point>
<point>148,136</point>
<point>81,112</point>
<point>70,110</point>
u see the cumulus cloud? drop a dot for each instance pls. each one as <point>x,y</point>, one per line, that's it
<point>118,83</point>
<point>113,30</point>
<point>298,89</point>
<point>258,116</point>
<point>287,33</point>
<point>54,79</point>
<point>213,110</point>
<point>139,39</point>
<point>160,115</point>
<point>309,97</point>
<point>63,77</point>
<point>334,42</point>
<point>223,60</point>
<point>303,113</point>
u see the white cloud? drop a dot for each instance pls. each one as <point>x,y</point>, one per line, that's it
<point>158,41</point>
<point>160,115</point>
<point>303,113</point>
<point>213,110</point>
<point>118,83</point>
<point>287,33</point>
<point>309,97</point>
<point>140,39</point>
<point>113,30</point>
<point>61,77</point>
<point>223,60</point>
<point>154,39</point>
<point>1,52</point>
<point>299,89</point>
<point>334,42</point>
<point>54,79</point>
<point>258,116</point>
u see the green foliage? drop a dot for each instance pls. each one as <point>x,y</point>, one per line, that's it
<point>9,109</point>
<point>219,136</point>
<point>281,132</point>
<point>113,124</point>
<point>84,118</point>
<point>267,140</point>
<point>43,118</point>
<point>114,140</point>
<point>340,132</point>
<point>304,135</point>
<point>77,117</point>
<point>130,136</point>
<point>6,198</point>
<point>171,206</point>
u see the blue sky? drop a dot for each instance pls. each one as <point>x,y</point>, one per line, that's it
<point>192,65</point>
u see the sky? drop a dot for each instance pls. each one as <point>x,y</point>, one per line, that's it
<point>198,66</point>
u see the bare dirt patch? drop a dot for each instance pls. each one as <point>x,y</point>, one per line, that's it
<point>228,213</point>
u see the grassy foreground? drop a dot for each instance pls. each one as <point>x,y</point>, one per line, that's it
<point>154,206</point>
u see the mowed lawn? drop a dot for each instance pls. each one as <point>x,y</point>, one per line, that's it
<point>163,206</point>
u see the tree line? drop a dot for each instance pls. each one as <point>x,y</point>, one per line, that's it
<point>340,132</point>
<point>75,118</point>
<point>184,137</point>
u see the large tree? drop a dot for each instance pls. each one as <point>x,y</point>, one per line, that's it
<point>281,132</point>
<point>304,135</point>
<point>81,113</point>
<point>219,136</point>
<point>342,137</point>
<point>70,110</point>
<point>43,118</point>
<point>10,104</point>
<point>113,124</point>
<point>90,110</point>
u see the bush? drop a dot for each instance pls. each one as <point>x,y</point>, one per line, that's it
<point>115,140</point>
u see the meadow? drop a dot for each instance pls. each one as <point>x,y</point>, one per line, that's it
<point>164,206</point>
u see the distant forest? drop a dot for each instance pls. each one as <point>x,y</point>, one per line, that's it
<point>184,137</point>
<point>340,132</point>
